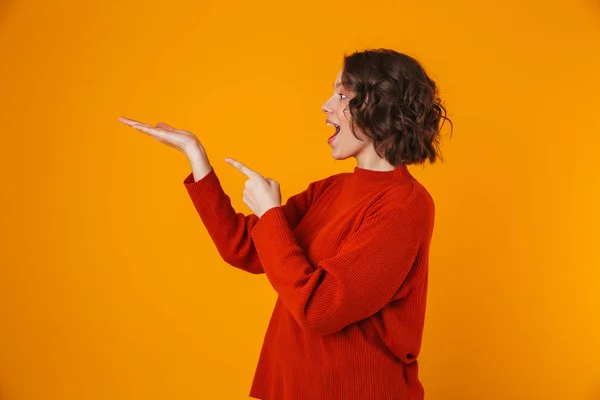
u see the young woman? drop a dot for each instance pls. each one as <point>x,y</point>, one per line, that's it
<point>349,255</point>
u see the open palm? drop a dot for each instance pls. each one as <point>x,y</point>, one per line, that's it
<point>179,139</point>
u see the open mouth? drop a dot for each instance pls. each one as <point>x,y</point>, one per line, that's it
<point>337,130</point>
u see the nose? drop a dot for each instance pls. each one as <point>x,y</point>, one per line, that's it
<point>326,109</point>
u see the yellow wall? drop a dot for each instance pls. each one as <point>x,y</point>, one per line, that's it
<point>109,285</point>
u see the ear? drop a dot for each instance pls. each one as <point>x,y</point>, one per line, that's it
<point>366,101</point>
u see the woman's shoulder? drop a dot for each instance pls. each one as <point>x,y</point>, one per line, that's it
<point>421,194</point>
<point>402,196</point>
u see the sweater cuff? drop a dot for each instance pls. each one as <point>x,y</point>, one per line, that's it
<point>207,186</point>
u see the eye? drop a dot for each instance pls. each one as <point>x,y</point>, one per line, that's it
<point>342,96</point>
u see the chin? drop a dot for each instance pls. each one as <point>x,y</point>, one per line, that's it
<point>340,157</point>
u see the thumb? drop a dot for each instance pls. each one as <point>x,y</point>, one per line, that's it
<point>166,127</point>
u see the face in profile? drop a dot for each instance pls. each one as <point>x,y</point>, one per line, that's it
<point>342,141</point>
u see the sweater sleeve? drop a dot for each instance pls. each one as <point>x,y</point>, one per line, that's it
<point>230,230</point>
<point>354,284</point>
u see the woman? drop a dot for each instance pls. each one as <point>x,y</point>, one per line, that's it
<point>349,255</point>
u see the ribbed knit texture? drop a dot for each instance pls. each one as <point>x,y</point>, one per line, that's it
<point>348,258</point>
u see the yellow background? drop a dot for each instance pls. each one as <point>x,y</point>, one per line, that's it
<point>110,287</point>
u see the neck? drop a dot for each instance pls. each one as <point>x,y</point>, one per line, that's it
<point>371,161</point>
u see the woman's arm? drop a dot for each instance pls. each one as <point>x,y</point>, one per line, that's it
<point>229,230</point>
<point>354,284</point>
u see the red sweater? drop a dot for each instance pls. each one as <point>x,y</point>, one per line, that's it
<point>348,258</point>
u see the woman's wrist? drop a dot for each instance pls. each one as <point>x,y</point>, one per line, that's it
<point>198,162</point>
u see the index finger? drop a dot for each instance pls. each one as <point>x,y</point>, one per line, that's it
<point>242,168</point>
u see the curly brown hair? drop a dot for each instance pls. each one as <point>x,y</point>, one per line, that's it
<point>395,104</point>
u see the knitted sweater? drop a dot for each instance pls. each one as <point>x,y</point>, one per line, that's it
<point>348,258</point>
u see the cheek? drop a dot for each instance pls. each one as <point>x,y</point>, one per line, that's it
<point>345,123</point>
<point>343,118</point>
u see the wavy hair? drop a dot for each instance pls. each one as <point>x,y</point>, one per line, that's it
<point>395,104</point>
